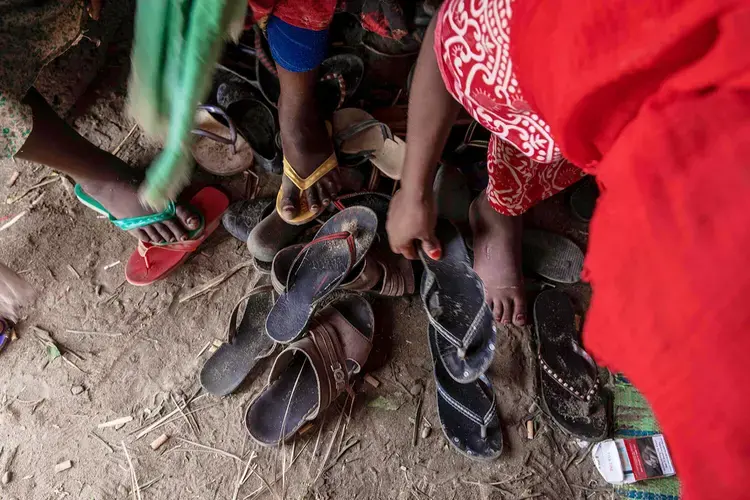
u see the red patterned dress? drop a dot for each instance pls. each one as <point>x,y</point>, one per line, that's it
<point>525,166</point>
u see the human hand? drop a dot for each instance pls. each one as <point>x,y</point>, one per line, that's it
<point>412,219</point>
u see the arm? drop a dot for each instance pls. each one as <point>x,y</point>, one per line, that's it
<point>432,112</point>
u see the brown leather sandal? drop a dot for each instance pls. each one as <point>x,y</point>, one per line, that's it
<point>311,373</point>
<point>381,272</point>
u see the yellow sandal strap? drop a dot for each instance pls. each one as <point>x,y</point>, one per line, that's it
<point>313,178</point>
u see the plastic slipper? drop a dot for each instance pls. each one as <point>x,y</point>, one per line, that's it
<point>152,262</point>
<point>453,296</point>
<point>255,122</point>
<point>131,223</point>
<point>569,380</point>
<point>467,412</point>
<point>551,256</point>
<point>377,202</point>
<point>304,215</point>
<point>242,216</point>
<point>245,345</point>
<point>219,149</point>
<point>341,76</point>
<point>319,269</point>
<point>381,272</point>
<point>452,196</point>
<point>270,235</point>
<point>360,137</point>
<point>311,373</point>
<point>583,199</point>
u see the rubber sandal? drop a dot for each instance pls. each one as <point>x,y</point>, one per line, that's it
<point>453,296</point>
<point>551,256</point>
<point>219,150</point>
<point>452,196</point>
<point>255,122</point>
<point>377,202</point>
<point>244,346</point>
<point>304,215</point>
<point>569,380</point>
<point>242,216</point>
<point>381,272</point>
<point>128,224</point>
<point>467,412</point>
<point>341,77</point>
<point>359,137</point>
<point>319,269</point>
<point>583,199</point>
<point>311,373</point>
<point>151,262</point>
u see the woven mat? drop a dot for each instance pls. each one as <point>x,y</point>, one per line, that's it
<point>633,418</point>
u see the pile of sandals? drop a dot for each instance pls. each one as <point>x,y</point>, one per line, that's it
<point>323,265</point>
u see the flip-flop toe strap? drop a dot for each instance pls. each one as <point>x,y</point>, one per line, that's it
<point>304,183</point>
<point>584,396</point>
<point>483,421</point>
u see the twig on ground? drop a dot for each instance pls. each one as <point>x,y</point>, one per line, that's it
<point>341,454</point>
<point>418,408</point>
<point>10,201</point>
<point>330,445</point>
<point>124,139</point>
<point>102,334</point>
<point>218,280</point>
<point>15,219</point>
<point>136,490</point>
<point>109,448</point>
<point>211,449</point>
<point>166,418</point>
<point>115,422</point>
<point>74,272</point>
<point>567,485</point>
<point>110,266</point>
<point>182,412</point>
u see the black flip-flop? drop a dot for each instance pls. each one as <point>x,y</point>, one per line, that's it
<point>255,122</point>
<point>377,202</point>
<point>340,78</point>
<point>242,216</point>
<point>569,380</point>
<point>311,373</point>
<point>271,235</point>
<point>246,344</point>
<point>583,199</point>
<point>551,256</point>
<point>453,296</point>
<point>322,265</point>
<point>467,412</point>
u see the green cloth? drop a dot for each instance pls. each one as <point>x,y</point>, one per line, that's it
<point>633,418</point>
<point>176,47</point>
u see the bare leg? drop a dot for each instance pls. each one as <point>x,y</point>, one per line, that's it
<point>102,175</point>
<point>497,260</point>
<point>306,140</point>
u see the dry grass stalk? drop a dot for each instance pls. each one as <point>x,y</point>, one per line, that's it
<point>115,422</point>
<point>210,448</point>
<point>182,412</point>
<point>101,334</point>
<point>218,280</point>
<point>136,490</point>
<point>166,418</point>
<point>124,139</point>
<point>15,219</point>
<point>109,448</point>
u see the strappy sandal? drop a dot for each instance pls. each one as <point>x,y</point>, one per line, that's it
<point>359,137</point>
<point>311,373</point>
<point>569,381</point>
<point>380,272</point>
<point>219,149</point>
<point>467,412</point>
<point>551,256</point>
<point>244,346</point>
<point>453,296</point>
<point>321,266</point>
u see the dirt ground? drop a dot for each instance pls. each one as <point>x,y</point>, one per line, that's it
<point>144,356</point>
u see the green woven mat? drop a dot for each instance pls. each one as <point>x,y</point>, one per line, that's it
<point>633,418</point>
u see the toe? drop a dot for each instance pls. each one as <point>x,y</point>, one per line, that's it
<point>140,234</point>
<point>289,198</point>
<point>507,311</point>
<point>153,234</point>
<point>497,309</point>
<point>164,232</point>
<point>519,310</point>
<point>178,232</point>
<point>325,200</point>
<point>188,218</point>
<point>312,200</point>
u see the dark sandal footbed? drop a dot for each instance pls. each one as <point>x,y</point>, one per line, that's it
<point>462,428</point>
<point>246,344</point>
<point>216,154</point>
<point>242,216</point>
<point>348,69</point>
<point>257,125</point>
<point>267,420</point>
<point>551,256</point>
<point>569,382</point>
<point>377,202</point>
<point>583,199</point>
<point>272,234</point>
<point>453,296</point>
<point>339,245</point>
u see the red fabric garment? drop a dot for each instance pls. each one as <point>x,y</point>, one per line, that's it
<point>309,14</point>
<point>524,164</point>
<point>657,95</point>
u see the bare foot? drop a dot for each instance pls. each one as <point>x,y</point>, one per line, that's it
<point>120,198</point>
<point>497,260</point>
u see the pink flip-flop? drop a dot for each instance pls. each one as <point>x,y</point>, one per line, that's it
<point>151,262</point>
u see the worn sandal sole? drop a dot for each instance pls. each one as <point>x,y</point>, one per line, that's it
<point>461,408</point>
<point>569,384</point>
<point>340,244</point>
<point>453,296</point>
<point>551,256</point>
<point>230,365</point>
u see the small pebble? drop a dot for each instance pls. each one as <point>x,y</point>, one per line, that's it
<point>7,477</point>
<point>76,390</point>
<point>416,389</point>
<point>426,429</point>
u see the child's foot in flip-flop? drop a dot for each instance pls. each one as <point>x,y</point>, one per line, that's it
<point>497,260</point>
<point>306,143</point>
<point>120,198</point>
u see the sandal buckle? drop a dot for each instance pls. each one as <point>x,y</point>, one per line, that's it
<point>338,375</point>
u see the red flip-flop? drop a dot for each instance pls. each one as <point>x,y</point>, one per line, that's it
<point>150,262</point>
